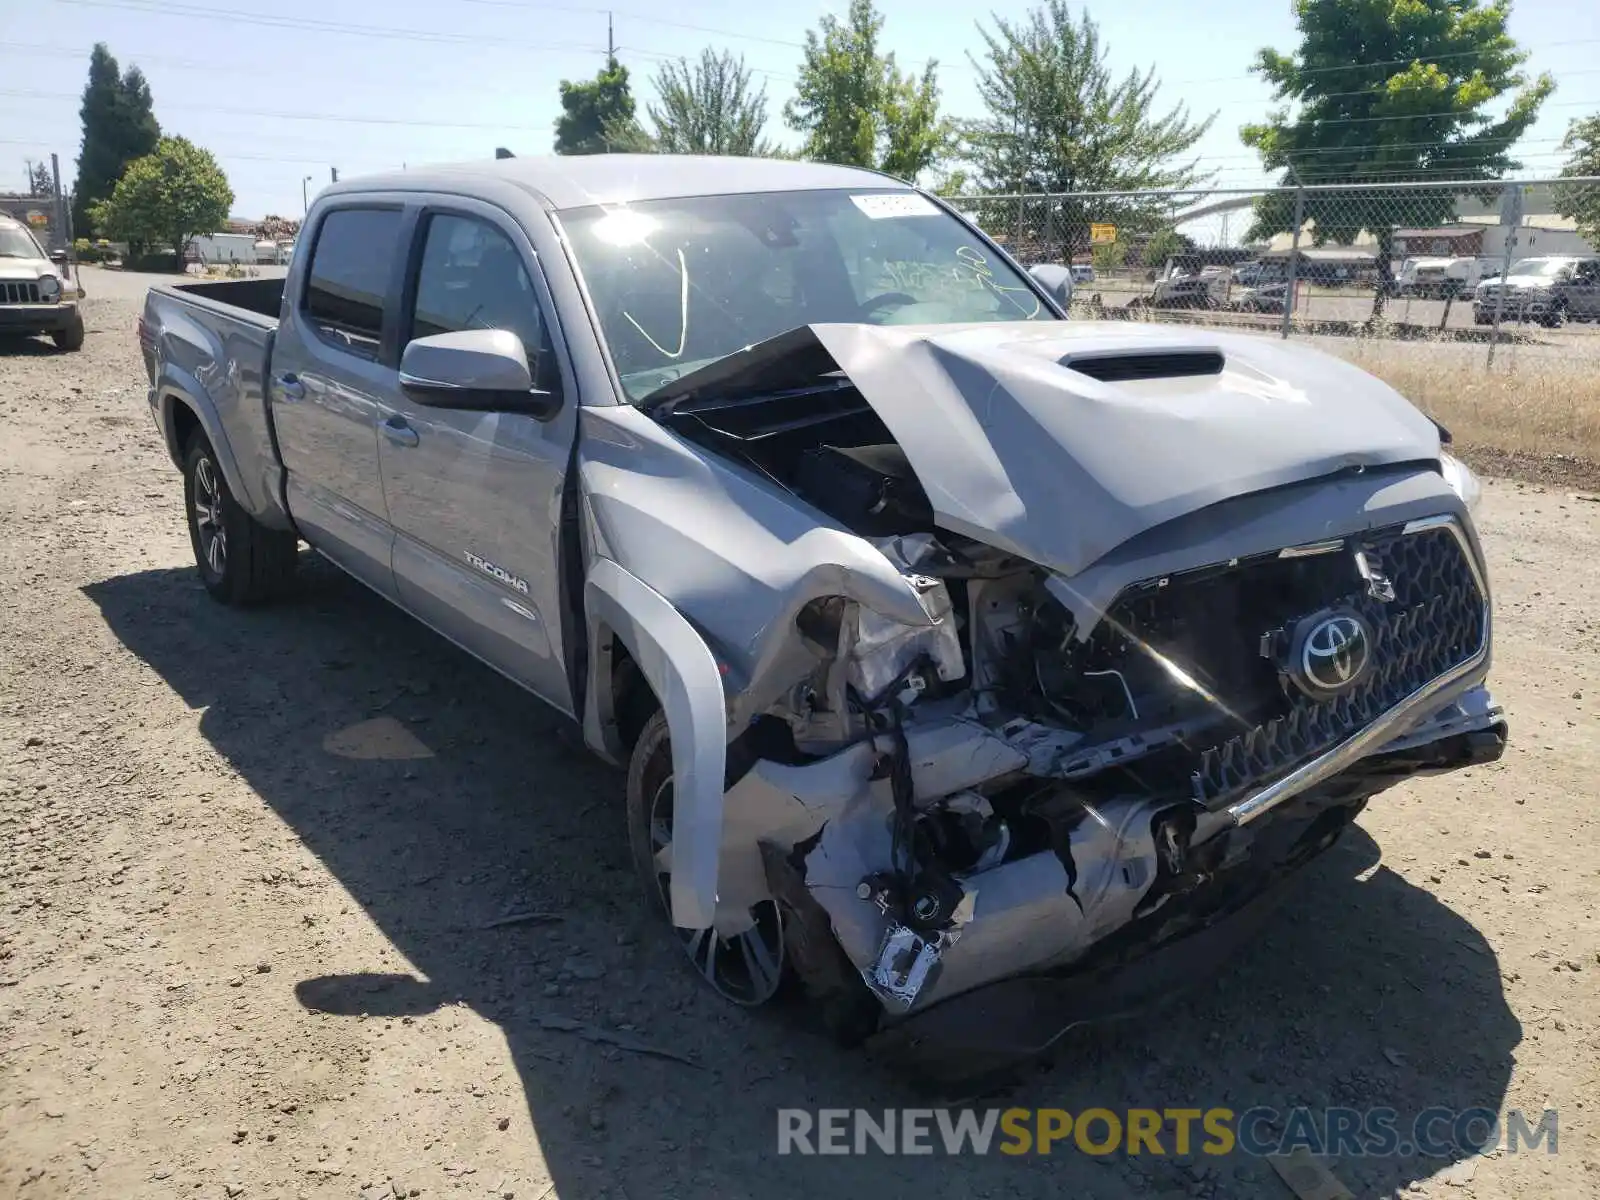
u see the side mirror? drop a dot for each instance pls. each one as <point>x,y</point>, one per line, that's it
<point>1056,280</point>
<point>474,370</point>
<point>59,257</point>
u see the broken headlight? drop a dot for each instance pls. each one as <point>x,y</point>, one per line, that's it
<point>1461,480</point>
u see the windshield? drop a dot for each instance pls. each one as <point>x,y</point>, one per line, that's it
<point>18,243</point>
<point>678,284</point>
<point>1540,266</point>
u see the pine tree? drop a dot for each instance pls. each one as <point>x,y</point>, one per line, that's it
<point>119,125</point>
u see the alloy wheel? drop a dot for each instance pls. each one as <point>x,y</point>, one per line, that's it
<point>208,522</point>
<point>746,968</point>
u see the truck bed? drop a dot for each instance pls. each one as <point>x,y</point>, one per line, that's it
<point>211,344</point>
<point>263,297</point>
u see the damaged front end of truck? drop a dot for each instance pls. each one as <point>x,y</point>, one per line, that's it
<point>1038,652</point>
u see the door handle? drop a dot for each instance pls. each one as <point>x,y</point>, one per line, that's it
<point>398,432</point>
<point>290,387</point>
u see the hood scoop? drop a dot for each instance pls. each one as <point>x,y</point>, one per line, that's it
<point>1149,364</point>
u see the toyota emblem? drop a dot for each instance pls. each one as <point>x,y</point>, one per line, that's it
<point>1330,653</point>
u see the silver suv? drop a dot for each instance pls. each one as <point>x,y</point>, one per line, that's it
<point>38,293</point>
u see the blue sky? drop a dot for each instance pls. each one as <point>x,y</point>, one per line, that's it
<point>282,89</point>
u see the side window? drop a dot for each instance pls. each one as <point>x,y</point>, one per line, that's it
<point>472,277</point>
<point>349,276</point>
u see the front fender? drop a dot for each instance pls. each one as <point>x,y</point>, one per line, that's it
<point>682,672</point>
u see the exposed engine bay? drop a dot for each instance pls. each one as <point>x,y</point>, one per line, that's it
<point>1035,780</point>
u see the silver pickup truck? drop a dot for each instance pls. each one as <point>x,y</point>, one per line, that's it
<point>965,661</point>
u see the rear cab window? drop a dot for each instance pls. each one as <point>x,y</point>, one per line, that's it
<point>348,277</point>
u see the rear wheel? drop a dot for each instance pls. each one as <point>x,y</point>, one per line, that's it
<point>241,561</point>
<point>747,968</point>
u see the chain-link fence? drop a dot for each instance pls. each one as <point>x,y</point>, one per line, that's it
<point>1498,262</point>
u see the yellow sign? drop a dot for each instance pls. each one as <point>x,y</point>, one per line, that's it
<point>1100,235</point>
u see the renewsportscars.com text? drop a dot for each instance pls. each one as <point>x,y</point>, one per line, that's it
<point>1372,1132</point>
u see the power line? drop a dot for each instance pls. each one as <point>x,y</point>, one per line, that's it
<point>215,68</point>
<point>175,8</point>
<point>641,17</point>
<point>320,26</point>
<point>1392,62</point>
<point>422,123</point>
<point>292,116</point>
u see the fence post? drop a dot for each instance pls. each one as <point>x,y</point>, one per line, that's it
<point>1511,221</point>
<point>1294,255</point>
<point>1016,239</point>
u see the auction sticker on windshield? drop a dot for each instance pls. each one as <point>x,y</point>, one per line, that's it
<point>878,205</point>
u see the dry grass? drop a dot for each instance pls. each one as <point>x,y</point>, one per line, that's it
<point>1536,412</point>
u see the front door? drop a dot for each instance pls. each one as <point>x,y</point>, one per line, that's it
<point>475,498</point>
<point>328,386</point>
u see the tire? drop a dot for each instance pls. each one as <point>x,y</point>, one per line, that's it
<point>70,338</point>
<point>748,969</point>
<point>240,560</point>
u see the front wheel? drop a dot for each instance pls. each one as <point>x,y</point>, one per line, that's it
<point>70,338</point>
<point>241,561</point>
<point>747,968</point>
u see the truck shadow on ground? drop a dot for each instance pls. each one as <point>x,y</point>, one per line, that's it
<point>442,799</point>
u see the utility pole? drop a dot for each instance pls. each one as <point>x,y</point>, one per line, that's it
<point>611,42</point>
<point>334,173</point>
<point>305,196</point>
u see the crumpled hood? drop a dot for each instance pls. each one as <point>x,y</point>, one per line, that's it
<point>1017,446</point>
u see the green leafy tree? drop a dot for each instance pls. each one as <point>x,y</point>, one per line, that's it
<point>597,116</point>
<point>167,197</point>
<point>1383,93</point>
<point>708,107</point>
<point>1163,244</point>
<point>40,181</point>
<point>1581,202</point>
<point>119,125</point>
<point>1108,256</point>
<point>856,107</point>
<point>1058,120</point>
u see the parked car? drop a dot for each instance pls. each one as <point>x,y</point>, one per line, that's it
<point>957,654</point>
<point>1577,297</point>
<point>1546,290</point>
<point>1439,278</point>
<point>39,292</point>
<point>1083,274</point>
<point>1201,288</point>
<point>1268,298</point>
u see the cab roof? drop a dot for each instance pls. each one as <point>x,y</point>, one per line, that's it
<point>577,180</point>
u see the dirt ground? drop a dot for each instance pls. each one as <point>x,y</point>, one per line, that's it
<point>249,864</point>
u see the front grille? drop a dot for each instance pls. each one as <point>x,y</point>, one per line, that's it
<point>1226,628</point>
<point>16,292</point>
<point>1435,622</point>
